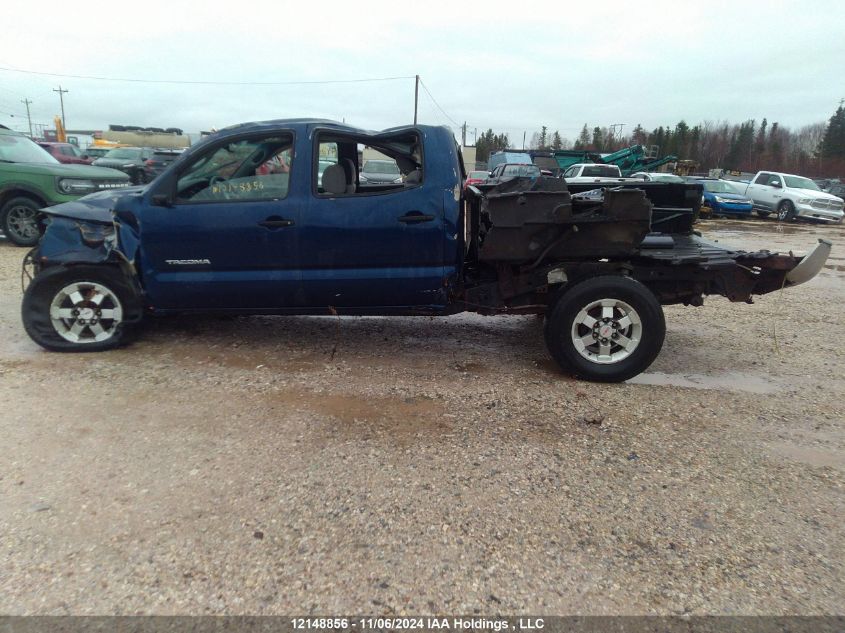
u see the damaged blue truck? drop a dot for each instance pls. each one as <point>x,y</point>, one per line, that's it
<point>253,221</point>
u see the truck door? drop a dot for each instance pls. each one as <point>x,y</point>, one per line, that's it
<point>762,192</point>
<point>366,245</point>
<point>227,239</point>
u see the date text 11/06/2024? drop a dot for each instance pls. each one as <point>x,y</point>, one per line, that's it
<point>412,623</point>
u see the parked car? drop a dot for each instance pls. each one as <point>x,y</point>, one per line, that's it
<point>506,171</point>
<point>66,153</point>
<point>793,197</point>
<point>475,178</point>
<point>837,189</point>
<point>509,157</point>
<point>129,160</point>
<point>380,172</point>
<point>161,158</point>
<point>656,177</point>
<point>94,152</point>
<point>31,178</point>
<point>722,197</point>
<point>217,233</point>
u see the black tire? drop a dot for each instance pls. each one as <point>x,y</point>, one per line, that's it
<point>47,285</point>
<point>19,221</point>
<point>763,214</point>
<point>786,211</point>
<point>626,293</point>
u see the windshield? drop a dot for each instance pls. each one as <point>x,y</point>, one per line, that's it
<point>475,175</point>
<point>718,186</point>
<point>796,182</point>
<point>19,149</point>
<point>521,170</point>
<point>381,167</point>
<point>124,153</point>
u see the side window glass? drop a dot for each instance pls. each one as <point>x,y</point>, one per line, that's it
<point>353,165</point>
<point>246,169</point>
<point>762,179</point>
<point>774,181</point>
<point>67,150</point>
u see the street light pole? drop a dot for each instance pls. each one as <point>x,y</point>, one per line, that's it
<point>62,100</point>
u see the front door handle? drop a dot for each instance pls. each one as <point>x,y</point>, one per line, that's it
<point>414,217</point>
<point>275,222</point>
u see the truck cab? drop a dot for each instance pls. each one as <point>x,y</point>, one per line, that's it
<point>592,172</point>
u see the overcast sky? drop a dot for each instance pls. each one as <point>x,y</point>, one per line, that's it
<point>509,66</point>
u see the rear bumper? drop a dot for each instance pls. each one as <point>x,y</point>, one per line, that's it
<point>687,268</point>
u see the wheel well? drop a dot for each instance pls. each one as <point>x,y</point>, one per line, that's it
<point>7,195</point>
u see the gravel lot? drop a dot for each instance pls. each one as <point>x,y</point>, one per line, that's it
<point>431,465</point>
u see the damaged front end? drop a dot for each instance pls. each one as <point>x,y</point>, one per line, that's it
<point>86,232</point>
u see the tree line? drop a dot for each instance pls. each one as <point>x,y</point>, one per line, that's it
<point>817,149</point>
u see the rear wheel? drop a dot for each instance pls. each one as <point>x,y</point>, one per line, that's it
<point>19,219</point>
<point>786,211</point>
<point>606,329</point>
<point>77,309</point>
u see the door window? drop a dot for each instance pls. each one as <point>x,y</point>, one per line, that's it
<point>351,166</point>
<point>256,168</point>
<point>774,181</point>
<point>762,179</point>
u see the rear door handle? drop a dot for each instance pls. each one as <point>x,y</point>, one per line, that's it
<point>275,223</point>
<point>414,217</point>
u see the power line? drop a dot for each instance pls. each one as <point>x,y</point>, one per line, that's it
<point>434,101</point>
<point>204,83</point>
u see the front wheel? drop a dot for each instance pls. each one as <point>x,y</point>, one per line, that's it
<point>786,211</point>
<point>19,219</point>
<point>605,329</point>
<point>77,309</point>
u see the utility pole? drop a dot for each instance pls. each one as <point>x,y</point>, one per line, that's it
<point>62,100</point>
<point>416,96</point>
<point>523,139</point>
<point>464,134</point>
<point>613,127</point>
<point>26,102</point>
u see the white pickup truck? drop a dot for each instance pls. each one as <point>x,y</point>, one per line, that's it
<point>593,172</point>
<point>792,197</point>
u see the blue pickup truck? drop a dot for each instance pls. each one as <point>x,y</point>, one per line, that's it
<point>273,218</point>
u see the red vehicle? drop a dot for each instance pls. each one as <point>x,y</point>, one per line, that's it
<point>67,153</point>
<point>475,178</point>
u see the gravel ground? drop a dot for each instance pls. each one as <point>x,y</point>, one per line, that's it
<point>430,465</point>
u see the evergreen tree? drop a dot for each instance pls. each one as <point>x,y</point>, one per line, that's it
<point>598,140</point>
<point>639,136</point>
<point>583,139</point>
<point>833,143</point>
<point>557,142</point>
<point>544,138</point>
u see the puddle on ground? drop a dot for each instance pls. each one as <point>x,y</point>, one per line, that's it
<point>811,456</point>
<point>728,381</point>
<point>396,416</point>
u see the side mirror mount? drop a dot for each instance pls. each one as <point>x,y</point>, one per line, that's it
<point>490,174</point>
<point>776,185</point>
<point>161,200</point>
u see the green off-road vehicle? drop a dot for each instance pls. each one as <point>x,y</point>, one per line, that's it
<point>31,179</point>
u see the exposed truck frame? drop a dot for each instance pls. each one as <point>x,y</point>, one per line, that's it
<point>590,262</point>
